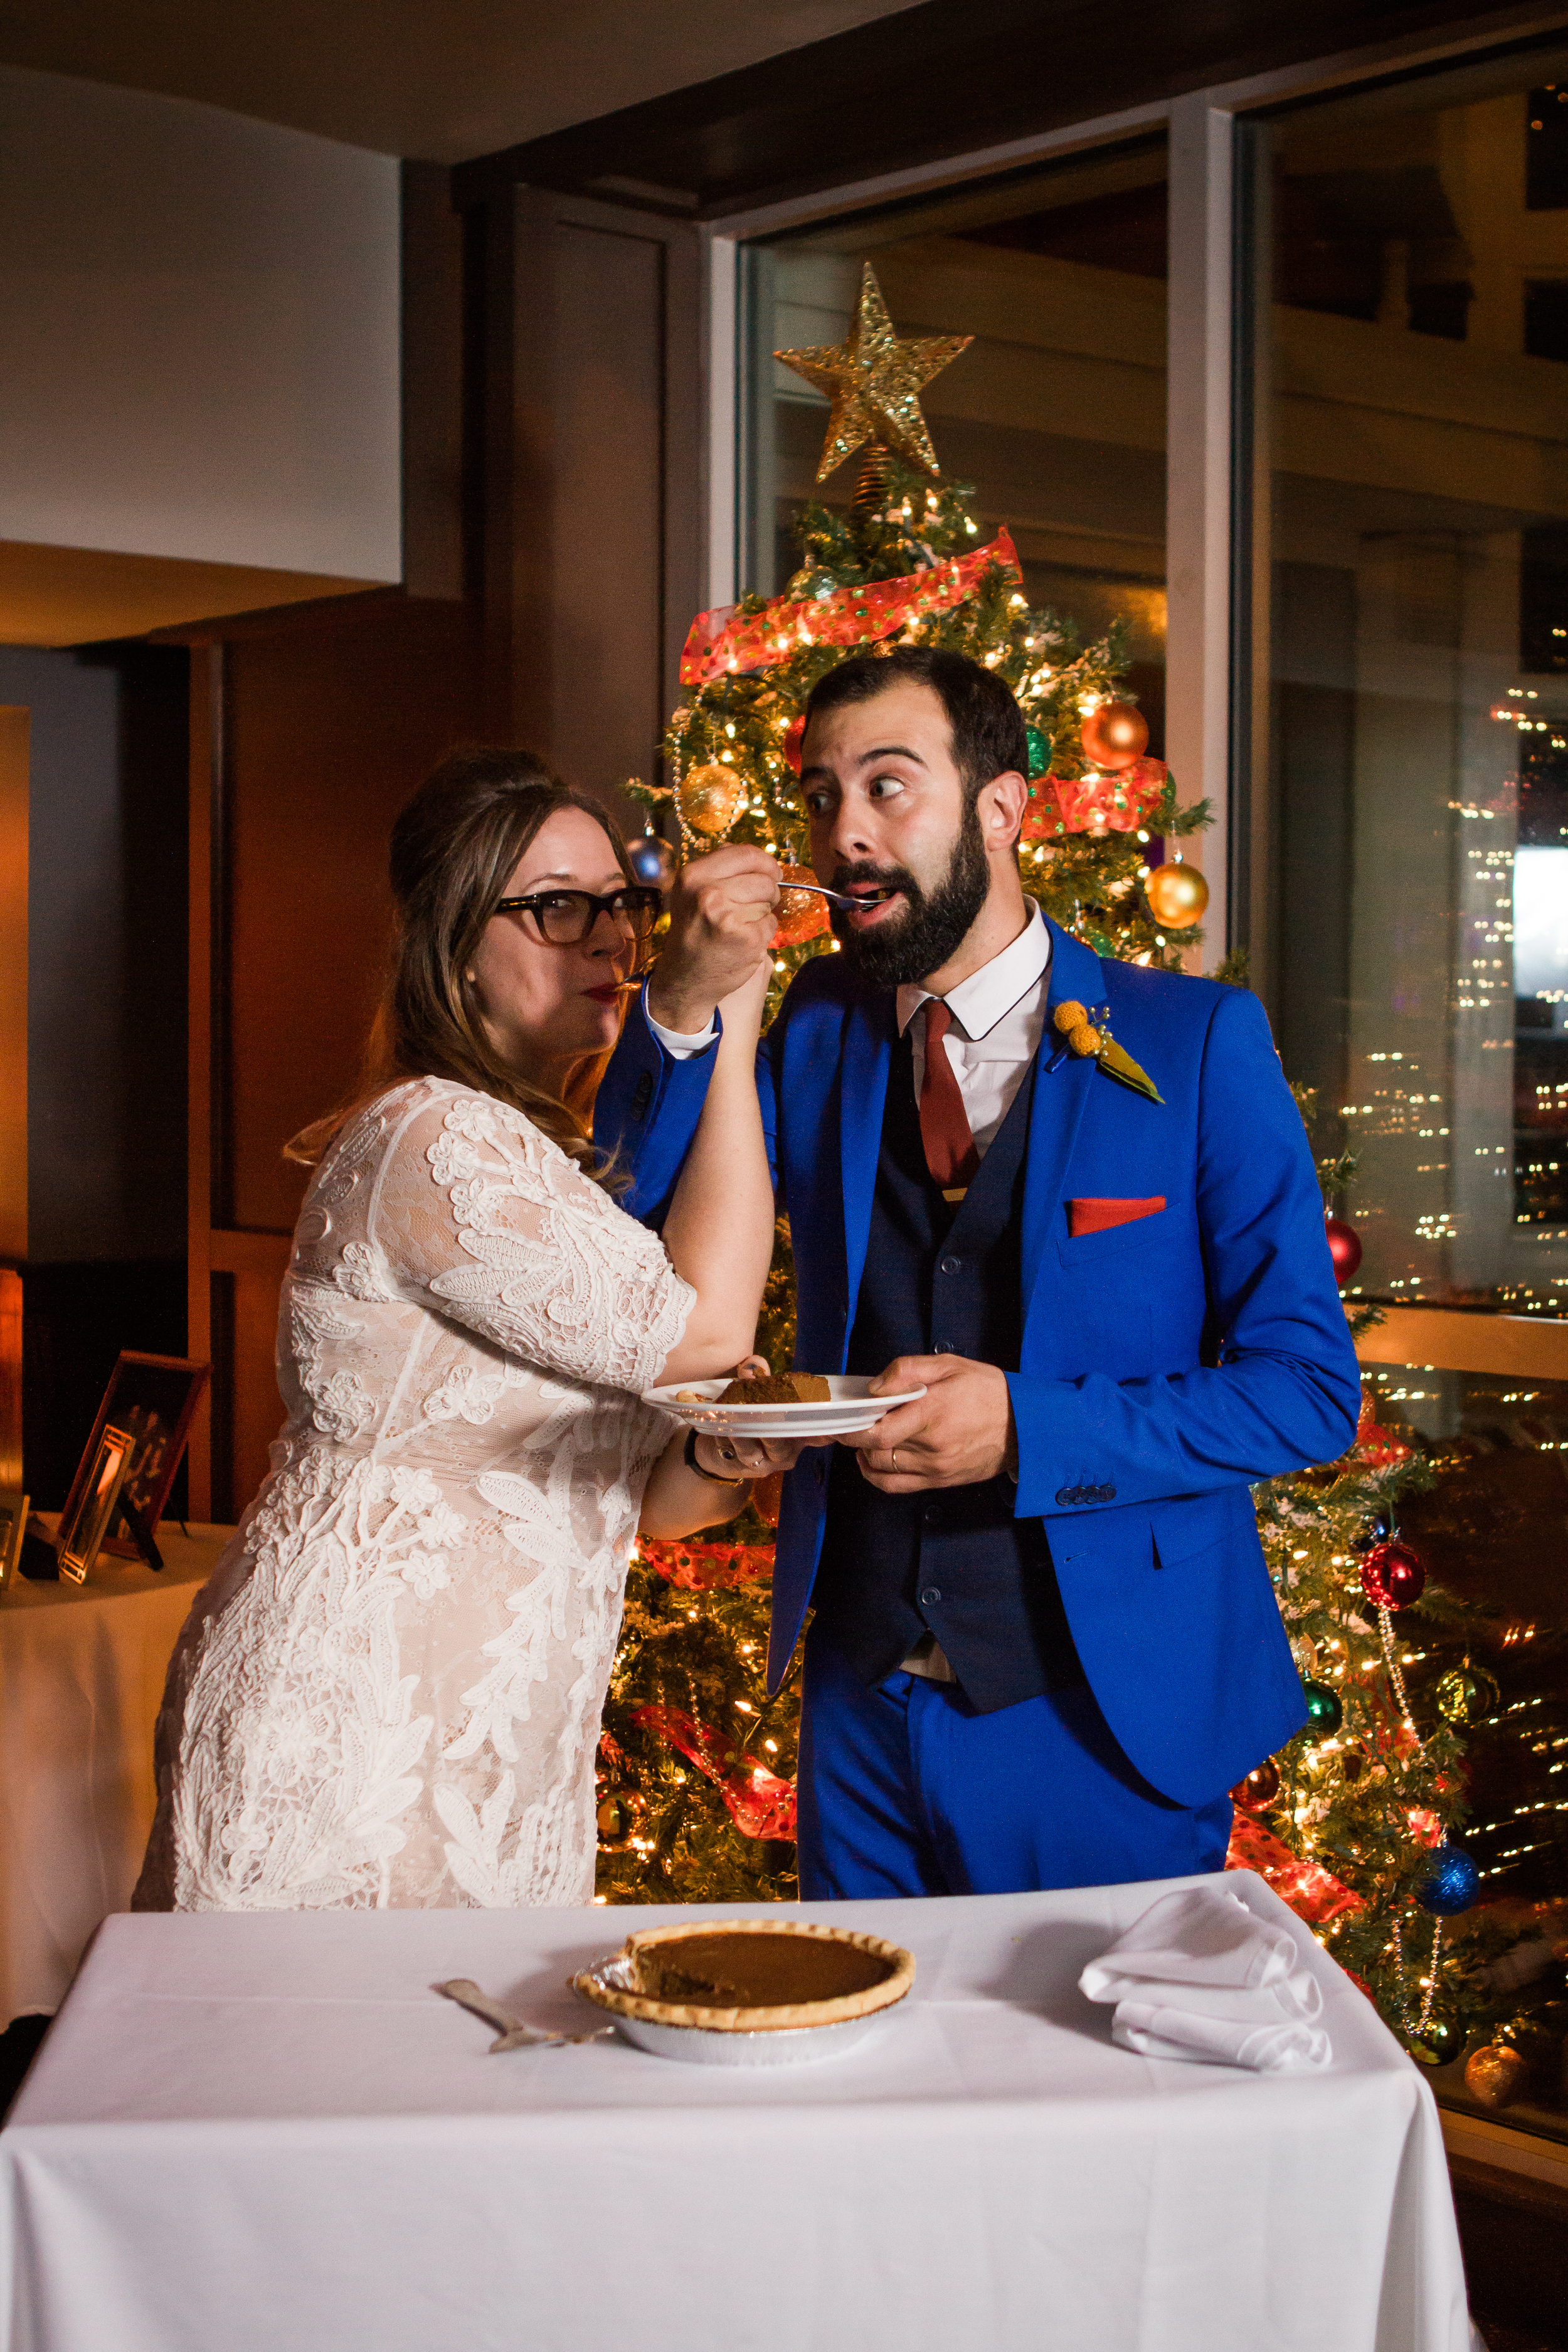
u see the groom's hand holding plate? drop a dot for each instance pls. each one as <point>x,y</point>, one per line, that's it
<point>958,1434</point>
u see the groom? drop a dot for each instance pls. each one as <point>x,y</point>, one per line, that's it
<point>1045,1642</point>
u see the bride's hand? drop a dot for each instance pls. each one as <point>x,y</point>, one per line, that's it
<point>742,1008</point>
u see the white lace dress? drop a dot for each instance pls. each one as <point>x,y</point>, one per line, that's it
<point>390,1690</point>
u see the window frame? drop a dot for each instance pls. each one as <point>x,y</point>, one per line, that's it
<point>1218,482</point>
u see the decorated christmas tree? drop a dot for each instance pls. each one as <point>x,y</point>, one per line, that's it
<point>697,1764</point>
<point>1357,1822</point>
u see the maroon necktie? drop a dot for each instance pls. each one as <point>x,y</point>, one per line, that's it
<point>944,1124</point>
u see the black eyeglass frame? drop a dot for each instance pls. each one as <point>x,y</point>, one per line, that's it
<point>631,897</point>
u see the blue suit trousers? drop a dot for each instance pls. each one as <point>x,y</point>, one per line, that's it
<point>906,1789</point>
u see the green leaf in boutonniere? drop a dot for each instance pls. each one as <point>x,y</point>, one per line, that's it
<point>1117,1063</point>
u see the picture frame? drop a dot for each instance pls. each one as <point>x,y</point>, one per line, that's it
<point>83,1528</point>
<point>154,1399</point>
<point>12,1528</point>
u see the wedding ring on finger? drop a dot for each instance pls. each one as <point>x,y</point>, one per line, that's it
<point>893,1457</point>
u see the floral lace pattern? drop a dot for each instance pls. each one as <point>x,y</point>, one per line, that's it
<point>390,1690</point>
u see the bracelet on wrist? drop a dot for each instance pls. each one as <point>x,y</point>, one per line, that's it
<point>712,1476</point>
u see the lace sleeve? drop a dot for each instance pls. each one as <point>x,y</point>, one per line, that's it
<point>481,1217</point>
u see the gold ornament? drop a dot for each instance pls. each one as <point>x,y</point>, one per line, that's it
<point>873,381</point>
<point>803,914</point>
<point>1177,895</point>
<point>1496,2075</point>
<point>707,799</point>
<point>1114,735</point>
<point>619,1817</point>
<point>1467,1695</point>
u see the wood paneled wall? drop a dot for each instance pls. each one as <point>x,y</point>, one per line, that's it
<point>306,740</point>
<point>559,530</point>
<point>589,324</point>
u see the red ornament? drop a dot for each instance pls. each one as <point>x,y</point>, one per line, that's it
<point>1259,1788</point>
<point>1115,735</point>
<point>795,735</point>
<point>1345,1248</point>
<point>1392,1575</point>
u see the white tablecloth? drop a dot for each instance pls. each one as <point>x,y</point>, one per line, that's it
<point>250,2133</point>
<point>81,1672</point>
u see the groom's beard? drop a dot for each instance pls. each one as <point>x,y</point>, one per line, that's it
<point>934,923</point>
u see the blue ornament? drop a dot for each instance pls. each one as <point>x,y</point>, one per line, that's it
<point>1378,1530</point>
<point>651,860</point>
<point>1449,1883</point>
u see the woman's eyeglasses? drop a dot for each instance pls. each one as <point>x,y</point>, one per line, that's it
<point>564,918</point>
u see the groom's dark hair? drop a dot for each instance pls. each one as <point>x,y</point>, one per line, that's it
<point>988,725</point>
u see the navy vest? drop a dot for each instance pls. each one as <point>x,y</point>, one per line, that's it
<point>955,1562</point>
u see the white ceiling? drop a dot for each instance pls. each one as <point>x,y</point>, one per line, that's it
<point>445,80</point>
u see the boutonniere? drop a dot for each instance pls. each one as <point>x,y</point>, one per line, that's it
<point>1086,1037</point>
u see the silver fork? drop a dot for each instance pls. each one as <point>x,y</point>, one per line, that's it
<point>842,898</point>
<point>513,2034</point>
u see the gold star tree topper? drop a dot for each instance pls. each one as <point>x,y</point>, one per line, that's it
<point>873,381</point>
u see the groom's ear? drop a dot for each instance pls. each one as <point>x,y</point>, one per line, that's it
<point>1000,806</point>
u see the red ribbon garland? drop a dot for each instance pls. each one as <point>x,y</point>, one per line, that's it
<point>728,641</point>
<point>761,1804</point>
<point>1314,1894</point>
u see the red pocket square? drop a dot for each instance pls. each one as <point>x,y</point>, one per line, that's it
<point>1095,1217</point>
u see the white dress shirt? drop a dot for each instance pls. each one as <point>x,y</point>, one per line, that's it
<point>998,1016</point>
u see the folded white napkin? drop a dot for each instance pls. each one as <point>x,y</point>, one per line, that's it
<point>1198,1977</point>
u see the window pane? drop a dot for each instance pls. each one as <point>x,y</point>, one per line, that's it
<point>1056,412</point>
<point>1420,669</point>
<point>1490,1531</point>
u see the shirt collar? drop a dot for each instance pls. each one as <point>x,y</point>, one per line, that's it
<point>978,1003</point>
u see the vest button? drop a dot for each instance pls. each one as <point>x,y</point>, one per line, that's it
<point>930,1597</point>
<point>931,1515</point>
<point>950,1265</point>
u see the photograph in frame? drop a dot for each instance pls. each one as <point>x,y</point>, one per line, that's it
<point>83,1531</point>
<point>153,1398</point>
<point>13,1527</point>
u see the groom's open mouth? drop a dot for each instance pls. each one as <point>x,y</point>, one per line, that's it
<point>878,901</point>
<point>880,896</point>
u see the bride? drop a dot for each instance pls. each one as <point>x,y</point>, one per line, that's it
<point>390,1690</point>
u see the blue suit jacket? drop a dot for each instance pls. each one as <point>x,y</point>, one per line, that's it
<point>1165,1363</point>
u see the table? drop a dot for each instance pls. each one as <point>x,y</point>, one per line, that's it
<point>81,1672</point>
<point>256,2131</point>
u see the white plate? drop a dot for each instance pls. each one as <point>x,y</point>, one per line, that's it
<point>699,2045</point>
<point>849,1408</point>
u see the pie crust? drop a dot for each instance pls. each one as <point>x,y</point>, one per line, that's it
<point>827,1974</point>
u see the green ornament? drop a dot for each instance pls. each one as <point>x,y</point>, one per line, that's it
<point>1039,744</point>
<point>1467,1694</point>
<point>1325,1709</point>
<point>1437,2042</point>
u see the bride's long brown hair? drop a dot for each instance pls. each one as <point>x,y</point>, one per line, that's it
<point>454,849</point>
